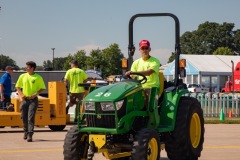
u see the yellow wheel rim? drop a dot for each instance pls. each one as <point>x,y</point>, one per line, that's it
<point>195,130</point>
<point>152,149</point>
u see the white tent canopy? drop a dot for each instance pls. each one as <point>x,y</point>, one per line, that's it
<point>209,70</point>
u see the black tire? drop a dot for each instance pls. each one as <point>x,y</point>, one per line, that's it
<point>2,126</point>
<point>75,144</point>
<point>123,158</point>
<point>146,145</point>
<point>57,127</point>
<point>186,141</point>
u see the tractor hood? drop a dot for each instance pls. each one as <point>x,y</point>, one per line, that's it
<point>113,92</point>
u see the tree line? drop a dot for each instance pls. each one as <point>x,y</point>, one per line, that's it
<point>108,61</point>
<point>209,38</point>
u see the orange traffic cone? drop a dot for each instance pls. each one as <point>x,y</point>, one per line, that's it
<point>230,114</point>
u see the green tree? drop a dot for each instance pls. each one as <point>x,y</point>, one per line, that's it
<point>66,65</point>
<point>171,58</point>
<point>80,56</point>
<point>7,61</point>
<point>237,40</point>
<point>111,58</point>
<point>47,64</point>
<point>59,63</point>
<point>39,68</point>
<point>223,51</point>
<point>187,42</point>
<point>207,38</point>
<point>94,61</point>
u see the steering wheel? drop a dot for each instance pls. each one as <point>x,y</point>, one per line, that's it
<point>142,80</point>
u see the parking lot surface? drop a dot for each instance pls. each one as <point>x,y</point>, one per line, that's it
<point>222,142</point>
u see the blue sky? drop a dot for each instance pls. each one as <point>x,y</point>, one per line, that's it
<point>30,28</point>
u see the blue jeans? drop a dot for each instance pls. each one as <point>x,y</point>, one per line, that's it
<point>28,108</point>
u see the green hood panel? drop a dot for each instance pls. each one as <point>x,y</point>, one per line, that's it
<point>113,92</point>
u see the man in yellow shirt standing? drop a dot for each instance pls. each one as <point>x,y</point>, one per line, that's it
<point>29,85</point>
<point>74,76</point>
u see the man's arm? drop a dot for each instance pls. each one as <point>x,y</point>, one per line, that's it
<point>65,81</point>
<point>1,88</point>
<point>145,73</point>
<point>40,91</point>
<point>85,81</point>
<point>20,94</point>
<point>1,92</point>
<point>37,93</point>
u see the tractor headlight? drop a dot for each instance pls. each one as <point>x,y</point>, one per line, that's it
<point>89,106</point>
<point>107,106</point>
<point>119,104</point>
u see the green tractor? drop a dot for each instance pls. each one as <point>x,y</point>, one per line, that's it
<point>119,125</point>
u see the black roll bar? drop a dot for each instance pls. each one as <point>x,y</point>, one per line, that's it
<point>131,47</point>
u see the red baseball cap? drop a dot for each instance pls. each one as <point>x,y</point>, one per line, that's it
<point>144,43</point>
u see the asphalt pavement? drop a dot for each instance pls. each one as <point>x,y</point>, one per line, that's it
<point>222,142</point>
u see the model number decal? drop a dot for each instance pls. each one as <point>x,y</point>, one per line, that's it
<point>105,95</point>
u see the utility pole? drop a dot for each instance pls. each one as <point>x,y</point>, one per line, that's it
<point>53,59</point>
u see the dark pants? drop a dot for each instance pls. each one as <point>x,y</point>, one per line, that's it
<point>28,109</point>
<point>6,102</point>
<point>75,98</point>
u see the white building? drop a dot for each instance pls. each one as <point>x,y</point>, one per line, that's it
<point>208,70</point>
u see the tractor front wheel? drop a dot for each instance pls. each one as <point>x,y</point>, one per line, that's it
<point>57,127</point>
<point>146,145</point>
<point>75,145</point>
<point>186,141</point>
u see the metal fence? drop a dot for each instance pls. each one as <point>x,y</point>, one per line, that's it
<point>214,104</point>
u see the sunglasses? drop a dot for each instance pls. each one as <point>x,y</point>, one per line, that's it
<point>144,48</point>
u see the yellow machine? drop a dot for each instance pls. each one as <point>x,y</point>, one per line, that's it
<point>51,111</point>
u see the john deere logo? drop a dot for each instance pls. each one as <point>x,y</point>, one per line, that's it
<point>99,116</point>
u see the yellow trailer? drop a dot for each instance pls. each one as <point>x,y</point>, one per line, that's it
<point>51,111</point>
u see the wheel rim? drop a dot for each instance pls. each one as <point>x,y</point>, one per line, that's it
<point>152,149</point>
<point>195,130</point>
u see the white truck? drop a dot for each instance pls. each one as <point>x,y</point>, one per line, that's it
<point>197,88</point>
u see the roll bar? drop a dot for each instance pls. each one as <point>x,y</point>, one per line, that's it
<point>131,47</point>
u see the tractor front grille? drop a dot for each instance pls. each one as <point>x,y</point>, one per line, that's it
<point>103,121</point>
<point>100,118</point>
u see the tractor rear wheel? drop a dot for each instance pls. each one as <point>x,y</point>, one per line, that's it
<point>186,141</point>
<point>146,145</point>
<point>75,144</point>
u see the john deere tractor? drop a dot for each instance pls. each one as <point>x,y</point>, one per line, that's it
<point>116,122</point>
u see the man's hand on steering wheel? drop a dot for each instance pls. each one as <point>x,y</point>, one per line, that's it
<point>142,80</point>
